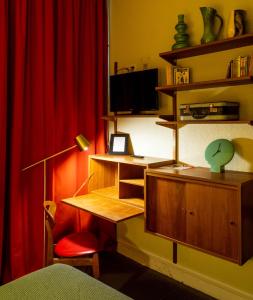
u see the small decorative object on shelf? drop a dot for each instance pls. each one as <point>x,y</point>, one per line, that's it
<point>181,75</point>
<point>212,111</point>
<point>119,143</point>
<point>181,37</point>
<point>209,16</point>
<point>236,24</point>
<point>124,69</point>
<point>218,153</point>
<point>239,66</point>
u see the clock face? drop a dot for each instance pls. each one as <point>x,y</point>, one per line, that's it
<point>218,153</point>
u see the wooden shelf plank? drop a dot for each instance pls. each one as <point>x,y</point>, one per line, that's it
<point>109,118</point>
<point>103,207</point>
<point>115,117</point>
<point>147,161</point>
<point>167,117</point>
<point>174,124</point>
<point>216,46</point>
<point>134,201</point>
<point>171,89</point>
<point>109,192</point>
<point>134,181</point>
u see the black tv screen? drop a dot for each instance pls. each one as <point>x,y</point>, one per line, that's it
<point>134,91</point>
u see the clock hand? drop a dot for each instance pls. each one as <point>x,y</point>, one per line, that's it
<point>218,150</point>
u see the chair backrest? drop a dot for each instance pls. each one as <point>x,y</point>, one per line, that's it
<point>50,208</point>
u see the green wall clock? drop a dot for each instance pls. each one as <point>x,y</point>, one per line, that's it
<point>218,153</point>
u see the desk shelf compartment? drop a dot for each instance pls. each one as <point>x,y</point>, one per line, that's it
<point>119,178</point>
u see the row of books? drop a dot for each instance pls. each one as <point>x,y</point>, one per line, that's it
<point>240,66</point>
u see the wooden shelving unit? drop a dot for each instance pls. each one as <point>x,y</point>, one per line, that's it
<point>171,205</point>
<point>174,121</point>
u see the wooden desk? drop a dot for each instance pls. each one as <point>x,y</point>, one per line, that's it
<point>116,188</point>
<point>109,209</point>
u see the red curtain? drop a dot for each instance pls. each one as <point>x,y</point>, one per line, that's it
<point>53,86</point>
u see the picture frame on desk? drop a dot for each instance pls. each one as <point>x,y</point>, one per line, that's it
<point>181,75</point>
<point>119,144</point>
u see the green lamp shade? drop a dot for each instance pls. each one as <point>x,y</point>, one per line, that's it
<point>218,153</point>
<point>82,142</point>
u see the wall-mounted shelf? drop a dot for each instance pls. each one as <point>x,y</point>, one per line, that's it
<point>216,46</point>
<point>174,124</point>
<point>171,89</point>
<point>115,117</point>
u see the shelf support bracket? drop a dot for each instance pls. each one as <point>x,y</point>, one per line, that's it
<point>174,252</point>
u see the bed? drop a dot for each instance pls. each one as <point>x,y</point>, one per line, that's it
<point>58,282</point>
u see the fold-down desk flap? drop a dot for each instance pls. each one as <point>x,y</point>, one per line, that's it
<point>109,209</point>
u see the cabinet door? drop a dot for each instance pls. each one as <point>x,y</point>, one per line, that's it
<point>212,221</point>
<point>165,207</point>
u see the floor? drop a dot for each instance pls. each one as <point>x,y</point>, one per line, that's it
<point>141,283</point>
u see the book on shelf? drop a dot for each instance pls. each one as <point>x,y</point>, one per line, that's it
<point>240,66</point>
<point>169,74</point>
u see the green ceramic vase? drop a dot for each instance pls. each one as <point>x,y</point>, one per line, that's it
<point>209,16</point>
<point>181,37</point>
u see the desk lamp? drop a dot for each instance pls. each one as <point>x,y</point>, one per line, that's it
<point>81,142</point>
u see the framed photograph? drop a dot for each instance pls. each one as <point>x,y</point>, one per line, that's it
<point>181,75</point>
<point>119,143</point>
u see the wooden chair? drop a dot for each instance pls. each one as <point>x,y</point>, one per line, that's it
<point>76,249</point>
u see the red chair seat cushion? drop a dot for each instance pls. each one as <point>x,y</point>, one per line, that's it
<point>76,244</point>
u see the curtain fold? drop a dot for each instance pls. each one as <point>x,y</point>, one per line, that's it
<point>53,68</point>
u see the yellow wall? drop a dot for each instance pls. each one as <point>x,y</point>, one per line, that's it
<point>140,30</point>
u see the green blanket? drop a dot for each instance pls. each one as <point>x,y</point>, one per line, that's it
<point>58,282</point>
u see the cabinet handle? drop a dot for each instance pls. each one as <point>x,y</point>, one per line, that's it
<point>232,223</point>
<point>191,213</point>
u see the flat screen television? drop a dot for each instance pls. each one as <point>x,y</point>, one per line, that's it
<point>134,91</point>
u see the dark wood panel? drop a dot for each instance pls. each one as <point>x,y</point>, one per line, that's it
<point>131,171</point>
<point>213,221</point>
<point>130,191</point>
<point>165,208</point>
<point>231,178</point>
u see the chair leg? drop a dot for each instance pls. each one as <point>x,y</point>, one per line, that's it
<point>95,265</point>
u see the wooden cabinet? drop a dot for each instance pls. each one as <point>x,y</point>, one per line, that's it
<point>212,212</point>
<point>116,186</point>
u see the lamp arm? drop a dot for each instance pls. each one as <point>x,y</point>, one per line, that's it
<point>83,184</point>
<point>49,157</point>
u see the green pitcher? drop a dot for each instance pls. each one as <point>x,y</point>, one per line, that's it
<point>209,15</point>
